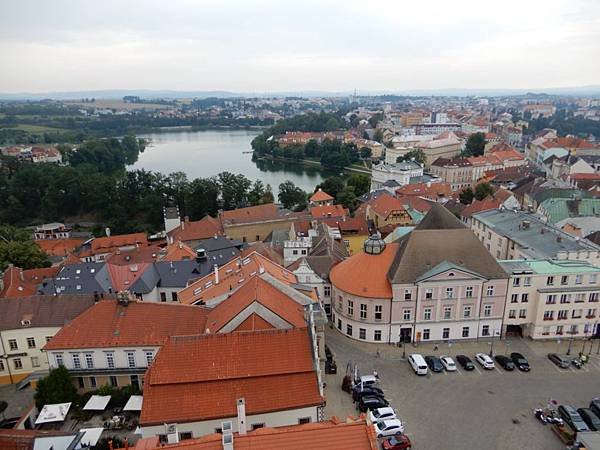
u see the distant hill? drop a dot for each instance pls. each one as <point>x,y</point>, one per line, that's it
<point>592,90</point>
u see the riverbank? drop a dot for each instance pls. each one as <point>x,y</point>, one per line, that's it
<point>313,163</point>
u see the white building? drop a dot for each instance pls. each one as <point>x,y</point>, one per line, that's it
<point>401,173</point>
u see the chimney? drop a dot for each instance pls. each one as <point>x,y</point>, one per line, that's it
<point>186,219</point>
<point>180,244</point>
<point>110,444</point>
<point>126,443</point>
<point>227,440</point>
<point>241,409</point>
<point>216,273</point>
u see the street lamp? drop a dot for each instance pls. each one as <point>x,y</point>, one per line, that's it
<point>492,344</point>
<point>569,349</point>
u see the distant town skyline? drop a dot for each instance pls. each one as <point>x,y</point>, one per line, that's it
<point>265,46</point>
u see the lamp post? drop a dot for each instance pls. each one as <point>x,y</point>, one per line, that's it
<point>569,349</point>
<point>492,344</point>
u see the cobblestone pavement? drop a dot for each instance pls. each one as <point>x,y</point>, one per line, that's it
<point>468,410</point>
<point>18,401</point>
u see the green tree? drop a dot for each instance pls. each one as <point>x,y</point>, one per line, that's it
<point>378,135</point>
<point>312,149</point>
<point>475,144</point>
<point>267,196</point>
<point>256,193</point>
<point>17,248</point>
<point>416,155</point>
<point>360,183</point>
<point>482,190</point>
<point>466,196</point>
<point>292,197</point>
<point>332,185</point>
<point>365,152</point>
<point>347,198</point>
<point>57,387</point>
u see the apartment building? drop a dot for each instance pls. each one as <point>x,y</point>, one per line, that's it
<point>436,283</point>
<point>550,299</point>
<point>512,234</point>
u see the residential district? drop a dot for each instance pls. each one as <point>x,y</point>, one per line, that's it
<point>454,304</point>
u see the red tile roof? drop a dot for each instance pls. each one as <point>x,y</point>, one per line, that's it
<point>328,435</point>
<point>416,203</point>
<point>354,225</point>
<point>259,291</point>
<point>568,142</point>
<point>108,324</point>
<point>220,368</point>
<point>124,276</point>
<point>429,190</point>
<point>135,255</point>
<point>111,243</point>
<point>231,276</point>
<point>354,274</point>
<point>321,196</point>
<point>22,283</point>
<point>178,252</point>
<point>385,204</point>
<point>478,206</point>
<point>58,247</point>
<point>327,211</point>
<point>250,214</point>
<point>204,228</point>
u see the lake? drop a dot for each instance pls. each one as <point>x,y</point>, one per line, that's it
<point>202,154</point>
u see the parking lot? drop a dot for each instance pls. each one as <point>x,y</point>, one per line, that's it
<point>481,409</point>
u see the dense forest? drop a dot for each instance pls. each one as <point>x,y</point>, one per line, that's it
<point>97,188</point>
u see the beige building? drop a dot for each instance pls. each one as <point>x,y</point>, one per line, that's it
<point>446,145</point>
<point>550,299</point>
<point>26,325</point>
<point>255,223</point>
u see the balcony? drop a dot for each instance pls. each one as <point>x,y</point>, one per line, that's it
<point>548,318</point>
<point>560,333</point>
<point>590,317</point>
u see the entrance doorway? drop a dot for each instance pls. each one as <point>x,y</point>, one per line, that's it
<point>405,335</point>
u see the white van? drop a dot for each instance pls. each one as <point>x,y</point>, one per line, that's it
<point>368,380</point>
<point>418,363</point>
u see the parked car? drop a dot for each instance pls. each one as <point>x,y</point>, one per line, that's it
<point>370,403</point>
<point>485,361</point>
<point>465,362</point>
<point>595,406</point>
<point>391,427</point>
<point>434,363</point>
<point>401,442</point>
<point>561,361</point>
<point>520,361</point>
<point>505,362</point>
<point>590,418</point>
<point>418,364</point>
<point>379,414</point>
<point>448,364</point>
<point>372,391</point>
<point>570,415</point>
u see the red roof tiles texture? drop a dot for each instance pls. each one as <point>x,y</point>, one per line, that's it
<point>108,324</point>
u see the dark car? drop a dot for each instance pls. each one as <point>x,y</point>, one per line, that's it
<point>520,361</point>
<point>434,363</point>
<point>595,406</point>
<point>505,362</point>
<point>371,391</point>
<point>465,362</point>
<point>591,419</point>
<point>401,442</point>
<point>560,361</point>
<point>370,403</point>
<point>570,415</point>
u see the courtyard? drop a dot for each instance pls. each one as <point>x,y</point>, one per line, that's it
<point>468,410</point>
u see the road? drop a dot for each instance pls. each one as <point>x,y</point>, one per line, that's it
<point>467,410</point>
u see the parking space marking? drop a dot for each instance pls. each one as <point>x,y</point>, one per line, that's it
<point>458,370</point>
<point>498,369</point>
<point>477,369</point>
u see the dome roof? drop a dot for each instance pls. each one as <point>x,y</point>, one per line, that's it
<point>374,245</point>
<point>364,274</point>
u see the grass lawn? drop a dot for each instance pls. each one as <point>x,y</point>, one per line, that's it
<point>33,128</point>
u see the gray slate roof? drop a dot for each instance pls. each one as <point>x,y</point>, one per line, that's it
<point>83,278</point>
<point>439,238</point>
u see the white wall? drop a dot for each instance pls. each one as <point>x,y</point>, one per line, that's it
<point>20,335</point>
<point>272,419</point>
<point>99,357</point>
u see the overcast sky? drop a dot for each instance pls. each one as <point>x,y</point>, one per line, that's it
<point>261,46</point>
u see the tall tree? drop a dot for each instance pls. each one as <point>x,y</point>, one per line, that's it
<point>17,248</point>
<point>57,387</point>
<point>466,196</point>
<point>482,190</point>
<point>416,155</point>
<point>360,183</point>
<point>332,185</point>
<point>292,197</point>
<point>476,144</point>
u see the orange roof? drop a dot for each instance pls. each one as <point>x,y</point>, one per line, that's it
<point>568,142</point>
<point>584,176</point>
<point>108,324</point>
<point>326,211</point>
<point>327,435</point>
<point>135,255</point>
<point>501,146</point>
<point>251,214</point>
<point>108,244</point>
<point>58,247</point>
<point>124,276</point>
<point>354,274</point>
<point>477,206</point>
<point>266,250</point>
<point>321,196</point>
<point>231,276</point>
<point>434,190</point>
<point>259,291</point>
<point>23,283</point>
<point>416,203</point>
<point>220,368</point>
<point>178,252</point>
<point>385,204</point>
<point>356,225</point>
<point>204,228</point>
